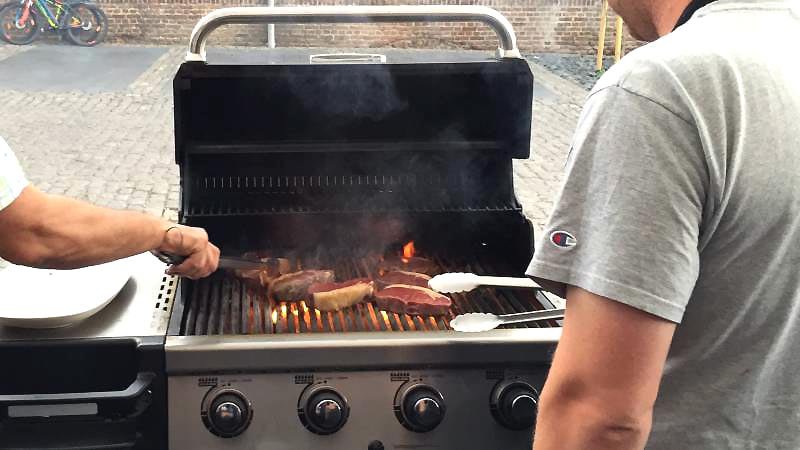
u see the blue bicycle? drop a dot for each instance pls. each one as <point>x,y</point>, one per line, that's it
<point>80,22</point>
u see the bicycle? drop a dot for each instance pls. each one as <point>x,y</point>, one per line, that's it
<point>80,22</point>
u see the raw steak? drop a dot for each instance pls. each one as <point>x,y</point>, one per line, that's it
<point>402,277</point>
<point>335,296</point>
<point>294,286</point>
<point>414,264</point>
<point>414,300</point>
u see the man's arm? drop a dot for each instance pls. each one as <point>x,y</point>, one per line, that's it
<point>51,231</point>
<point>604,378</point>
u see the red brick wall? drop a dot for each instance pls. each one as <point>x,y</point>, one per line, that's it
<point>171,21</point>
<point>541,25</point>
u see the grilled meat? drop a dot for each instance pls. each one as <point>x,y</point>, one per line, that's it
<point>275,267</point>
<point>402,277</point>
<point>413,300</point>
<point>294,286</point>
<point>335,296</point>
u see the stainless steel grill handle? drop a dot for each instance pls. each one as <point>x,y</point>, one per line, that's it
<point>352,14</point>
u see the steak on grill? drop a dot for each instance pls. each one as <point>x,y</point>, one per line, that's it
<point>294,286</point>
<point>335,296</point>
<point>402,277</point>
<point>414,264</point>
<point>413,300</point>
<point>275,267</point>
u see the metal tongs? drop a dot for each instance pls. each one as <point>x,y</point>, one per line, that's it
<point>448,283</point>
<point>229,262</point>
<point>476,322</point>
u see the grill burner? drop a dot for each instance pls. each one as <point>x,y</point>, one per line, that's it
<point>224,304</point>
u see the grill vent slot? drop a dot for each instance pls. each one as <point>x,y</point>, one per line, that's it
<point>166,293</point>
<point>207,381</point>
<point>498,374</point>
<point>400,376</point>
<point>303,379</point>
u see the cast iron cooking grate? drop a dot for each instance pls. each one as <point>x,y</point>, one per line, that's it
<point>224,304</point>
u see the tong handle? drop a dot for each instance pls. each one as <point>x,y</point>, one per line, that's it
<point>534,316</point>
<point>168,258</point>
<point>509,282</point>
<point>352,14</point>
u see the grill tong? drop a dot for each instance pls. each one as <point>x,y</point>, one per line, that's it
<point>477,322</point>
<point>454,282</point>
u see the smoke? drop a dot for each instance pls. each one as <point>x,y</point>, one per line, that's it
<point>364,94</point>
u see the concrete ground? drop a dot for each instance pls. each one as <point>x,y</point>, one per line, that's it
<point>96,124</point>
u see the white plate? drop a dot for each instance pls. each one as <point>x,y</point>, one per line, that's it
<point>44,298</point>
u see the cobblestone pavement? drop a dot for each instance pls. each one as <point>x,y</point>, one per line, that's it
<point>110,148</point>
<point>577,68</point>
<point>116,148</point>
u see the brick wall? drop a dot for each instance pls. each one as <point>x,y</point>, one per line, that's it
<point>541,25</point>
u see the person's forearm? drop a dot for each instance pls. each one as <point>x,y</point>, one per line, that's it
<point>68,233</point>
<point>575,425</point>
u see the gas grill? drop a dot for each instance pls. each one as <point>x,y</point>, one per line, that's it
<point>340,167</point>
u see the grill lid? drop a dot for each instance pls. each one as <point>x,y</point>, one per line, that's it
<point>481,106</point>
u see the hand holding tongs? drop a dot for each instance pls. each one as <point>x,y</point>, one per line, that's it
<point>463,282</point>
<point>229,262</point>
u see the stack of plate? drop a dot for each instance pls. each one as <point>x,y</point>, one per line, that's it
<point>45,298</point>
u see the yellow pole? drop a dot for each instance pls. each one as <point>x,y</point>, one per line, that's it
<point>601,39</point>
<point>618,41</point>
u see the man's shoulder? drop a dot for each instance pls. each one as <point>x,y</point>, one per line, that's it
<point>672,58</point>
<point>673,71</point>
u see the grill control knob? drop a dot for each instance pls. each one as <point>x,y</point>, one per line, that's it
<point>419,407</point>
<point>322,410</point>
<point>226,412</point>
<point>515,404</point>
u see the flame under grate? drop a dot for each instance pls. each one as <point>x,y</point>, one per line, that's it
<point>224,304</point>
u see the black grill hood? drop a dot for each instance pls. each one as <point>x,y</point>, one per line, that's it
<point>443,106</point>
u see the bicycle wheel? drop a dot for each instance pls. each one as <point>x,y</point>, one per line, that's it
<point>17,29</point>
<point>86,24</point>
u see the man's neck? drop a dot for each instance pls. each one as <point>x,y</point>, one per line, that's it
<point>667,13</point>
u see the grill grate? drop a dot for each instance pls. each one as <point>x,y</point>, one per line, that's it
<point>223,304</point>
<point>222,195</point>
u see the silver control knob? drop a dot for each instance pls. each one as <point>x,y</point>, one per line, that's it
<point>322,409</point>
<point>514,404</point>
<point>226,412</point>
<point>419,407</point>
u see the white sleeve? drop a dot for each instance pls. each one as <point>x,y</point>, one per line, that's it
<point>12,178</point>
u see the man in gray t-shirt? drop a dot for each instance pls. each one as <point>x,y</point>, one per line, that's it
<point>676,239</point>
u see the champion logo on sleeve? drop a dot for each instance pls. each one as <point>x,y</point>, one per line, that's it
<point>562,239</point>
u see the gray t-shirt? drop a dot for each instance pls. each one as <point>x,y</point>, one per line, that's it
<point>682,199</point>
